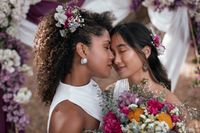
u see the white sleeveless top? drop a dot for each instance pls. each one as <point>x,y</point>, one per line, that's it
<point>120,86</point>
<point>87,97</point>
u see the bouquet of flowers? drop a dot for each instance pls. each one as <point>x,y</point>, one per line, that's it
<point>134,113</point>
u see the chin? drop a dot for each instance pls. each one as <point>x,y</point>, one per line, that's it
<point>106,75</point>
<point>123,76</point>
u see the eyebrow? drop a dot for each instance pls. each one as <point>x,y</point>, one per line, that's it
<point>107,41</point>
<point>121,45</point>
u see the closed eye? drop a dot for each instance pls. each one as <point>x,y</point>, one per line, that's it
<point>122,50</point>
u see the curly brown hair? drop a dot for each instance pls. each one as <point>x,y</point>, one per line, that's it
<point>53,54</point>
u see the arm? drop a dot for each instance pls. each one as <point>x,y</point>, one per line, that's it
<point>66,118</point>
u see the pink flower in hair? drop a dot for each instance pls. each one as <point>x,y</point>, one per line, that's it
<point>160,48</point>
<point>156,40</point>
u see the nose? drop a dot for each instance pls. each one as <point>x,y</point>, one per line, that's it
<point>111,56</point>
<point>117,59</point>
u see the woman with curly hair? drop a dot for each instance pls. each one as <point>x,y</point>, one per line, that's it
<point>71,46</point>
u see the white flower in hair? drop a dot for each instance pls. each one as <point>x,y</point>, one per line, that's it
<point>69,19</point>
<point>60,9</point>
<point>60,16</point>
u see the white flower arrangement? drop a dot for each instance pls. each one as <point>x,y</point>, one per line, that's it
<point>12,12</point>
<point>9,59</point>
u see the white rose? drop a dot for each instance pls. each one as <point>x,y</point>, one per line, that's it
<point>60,9</point>
<point>26,69</point>
<point>10,59</point>
<point>2,16</point>
<point>16,14</point>
<point>5,8</point>
<point>133,106</point>
<point>11,31</point>
<point>4,23</point>
<point>3,20</point>
<point>23,96</point>
<point>61,18</point>
<point>13,2</point>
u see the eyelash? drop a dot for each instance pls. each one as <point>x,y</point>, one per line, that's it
<point>107,47</point>
<point>122,51</point>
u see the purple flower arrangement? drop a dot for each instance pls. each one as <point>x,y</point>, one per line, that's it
<point>13,72</point>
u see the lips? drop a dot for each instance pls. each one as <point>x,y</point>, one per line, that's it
<point>120,69</point>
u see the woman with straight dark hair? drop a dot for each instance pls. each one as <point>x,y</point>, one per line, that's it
<point>136,52</point>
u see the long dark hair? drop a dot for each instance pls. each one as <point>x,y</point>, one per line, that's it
<point>138,36</point>
<point>54,54</point>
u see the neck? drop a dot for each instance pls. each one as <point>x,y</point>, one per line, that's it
<point>78,76</point>
<point>139,76</point>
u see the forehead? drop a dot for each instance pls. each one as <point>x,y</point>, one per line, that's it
<point>117,41</point>
<point>98,39</point>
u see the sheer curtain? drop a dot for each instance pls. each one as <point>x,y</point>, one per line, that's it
<point>175,24</point>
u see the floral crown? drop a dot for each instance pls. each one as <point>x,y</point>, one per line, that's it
<point>157,43</point>
<point>69,19</point>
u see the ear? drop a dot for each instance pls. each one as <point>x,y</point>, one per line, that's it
<point>147,51</point>
<point>81,49</point>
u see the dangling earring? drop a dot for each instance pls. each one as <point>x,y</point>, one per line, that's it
<point>84,61</point>
<point>144,67</point>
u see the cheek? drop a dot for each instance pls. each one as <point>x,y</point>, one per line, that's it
<point>131,60</point>
<point>98,61</point>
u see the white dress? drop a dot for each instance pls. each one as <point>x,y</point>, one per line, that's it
<point>87,97</point>
<point>120,86</point>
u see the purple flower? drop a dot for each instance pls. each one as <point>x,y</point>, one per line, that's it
<point>135,4</point>
<point>125,99</point>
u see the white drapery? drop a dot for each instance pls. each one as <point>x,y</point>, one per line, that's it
<point>176,39</point>
<point>27,32</point>
<point>120,8</point>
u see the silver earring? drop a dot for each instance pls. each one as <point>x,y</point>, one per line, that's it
<point>84,61</point>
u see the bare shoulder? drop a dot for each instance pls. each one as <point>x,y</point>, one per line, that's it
<point>171,97</point>
<point>66,118</point>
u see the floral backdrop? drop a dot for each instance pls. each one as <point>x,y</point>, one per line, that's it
<point>13,55</point>
<point>13,67</point>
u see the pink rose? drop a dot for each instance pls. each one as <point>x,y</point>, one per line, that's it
<point>175,118</point>
<point>125,110</point>
<point>111,124</point>
<point>154,106</point>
